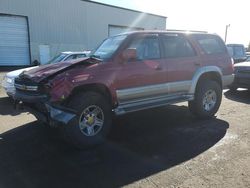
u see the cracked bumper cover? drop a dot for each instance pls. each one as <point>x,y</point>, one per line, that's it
<point>53,113</point>
<point>60,115</point>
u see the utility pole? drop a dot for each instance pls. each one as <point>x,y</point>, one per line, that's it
<point>227,26</point>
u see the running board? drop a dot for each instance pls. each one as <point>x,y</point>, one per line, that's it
<point>148,103</point>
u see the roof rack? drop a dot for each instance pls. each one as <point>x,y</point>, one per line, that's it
<point>193,31</point>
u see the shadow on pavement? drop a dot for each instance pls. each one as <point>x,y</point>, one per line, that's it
<point>242,96</point>
<point>7,107</point>
<point>141,144</point>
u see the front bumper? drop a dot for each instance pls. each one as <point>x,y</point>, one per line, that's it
<point>43,110</point>
<point>60,115</point>
<point>30,97</point>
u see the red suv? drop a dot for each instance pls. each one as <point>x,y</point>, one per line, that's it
<point>127,73</point>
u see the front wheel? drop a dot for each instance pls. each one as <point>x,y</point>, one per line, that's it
<point>93,120</point>
<point>207,99</point>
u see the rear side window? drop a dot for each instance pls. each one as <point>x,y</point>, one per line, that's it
<point>211,44</point>
<point>176,46</point>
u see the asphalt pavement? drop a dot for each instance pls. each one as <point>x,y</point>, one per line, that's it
<point>163,147</point>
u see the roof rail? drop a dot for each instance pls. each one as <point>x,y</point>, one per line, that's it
<point>193,31</point>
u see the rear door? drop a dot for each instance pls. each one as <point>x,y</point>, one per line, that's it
<point>181,60</point>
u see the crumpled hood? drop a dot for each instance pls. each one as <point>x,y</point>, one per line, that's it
<point>16,73</point>
<point>44,71</point>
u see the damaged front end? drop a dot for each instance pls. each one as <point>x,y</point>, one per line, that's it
<point>44,92</point>
<point>60,114</point>
<point>30,96</point>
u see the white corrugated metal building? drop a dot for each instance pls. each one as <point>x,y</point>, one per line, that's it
<point>38,30</point>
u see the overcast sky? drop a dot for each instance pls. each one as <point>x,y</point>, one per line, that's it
<point>211,16</point>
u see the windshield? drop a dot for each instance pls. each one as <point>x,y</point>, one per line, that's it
<point>236,51</point>
<point>248,58</point>
<point>57,58</point>
<point>108,47</point>
<point>239,51</point>
<point>230,50</point>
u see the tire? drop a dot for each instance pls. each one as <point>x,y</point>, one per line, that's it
<point>87,130</point>
<point>207,99</point>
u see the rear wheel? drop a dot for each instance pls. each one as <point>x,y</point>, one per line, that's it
<point>93,120</point>
<point>207,99</point>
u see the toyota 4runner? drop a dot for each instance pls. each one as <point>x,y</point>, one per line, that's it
<point>127,73</point>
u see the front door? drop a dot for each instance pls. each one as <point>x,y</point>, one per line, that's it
<point>140,78</point>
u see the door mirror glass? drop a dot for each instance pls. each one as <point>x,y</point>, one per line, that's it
<point>129,54</point>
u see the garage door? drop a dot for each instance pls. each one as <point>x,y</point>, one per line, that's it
<point>115,30</point>
<point>14,41</point>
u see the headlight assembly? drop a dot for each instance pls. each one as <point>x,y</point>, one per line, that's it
<point>10,80</point>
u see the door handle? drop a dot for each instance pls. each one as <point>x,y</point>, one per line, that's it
<point>197,63</point>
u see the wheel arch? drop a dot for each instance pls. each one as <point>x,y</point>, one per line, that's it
<point>96,87</point>
<point>210,72</point>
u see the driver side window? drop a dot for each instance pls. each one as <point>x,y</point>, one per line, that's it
<point>146,47</point>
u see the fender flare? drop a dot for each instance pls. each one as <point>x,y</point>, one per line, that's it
<point>200,72</point>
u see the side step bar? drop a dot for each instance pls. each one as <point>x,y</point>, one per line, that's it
<point>143,104</point>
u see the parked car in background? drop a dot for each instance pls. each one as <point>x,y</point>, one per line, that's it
<point>237,52</point>
<point>128,72</point>
<point>242,76</point>
<point>8,81</point>
<point>248,58</point>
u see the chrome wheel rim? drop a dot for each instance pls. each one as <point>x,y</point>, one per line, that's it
<point>209,100</point>
<point>91,120</point>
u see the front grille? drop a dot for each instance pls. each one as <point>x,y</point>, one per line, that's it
<point>26,85</point>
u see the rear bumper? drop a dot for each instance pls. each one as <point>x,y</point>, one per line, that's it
<point>227,80</point>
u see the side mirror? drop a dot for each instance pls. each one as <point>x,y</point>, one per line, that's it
<point>129,54</point>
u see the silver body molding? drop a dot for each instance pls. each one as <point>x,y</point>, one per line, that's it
<point>138,93</point>
<point>133,99</point>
